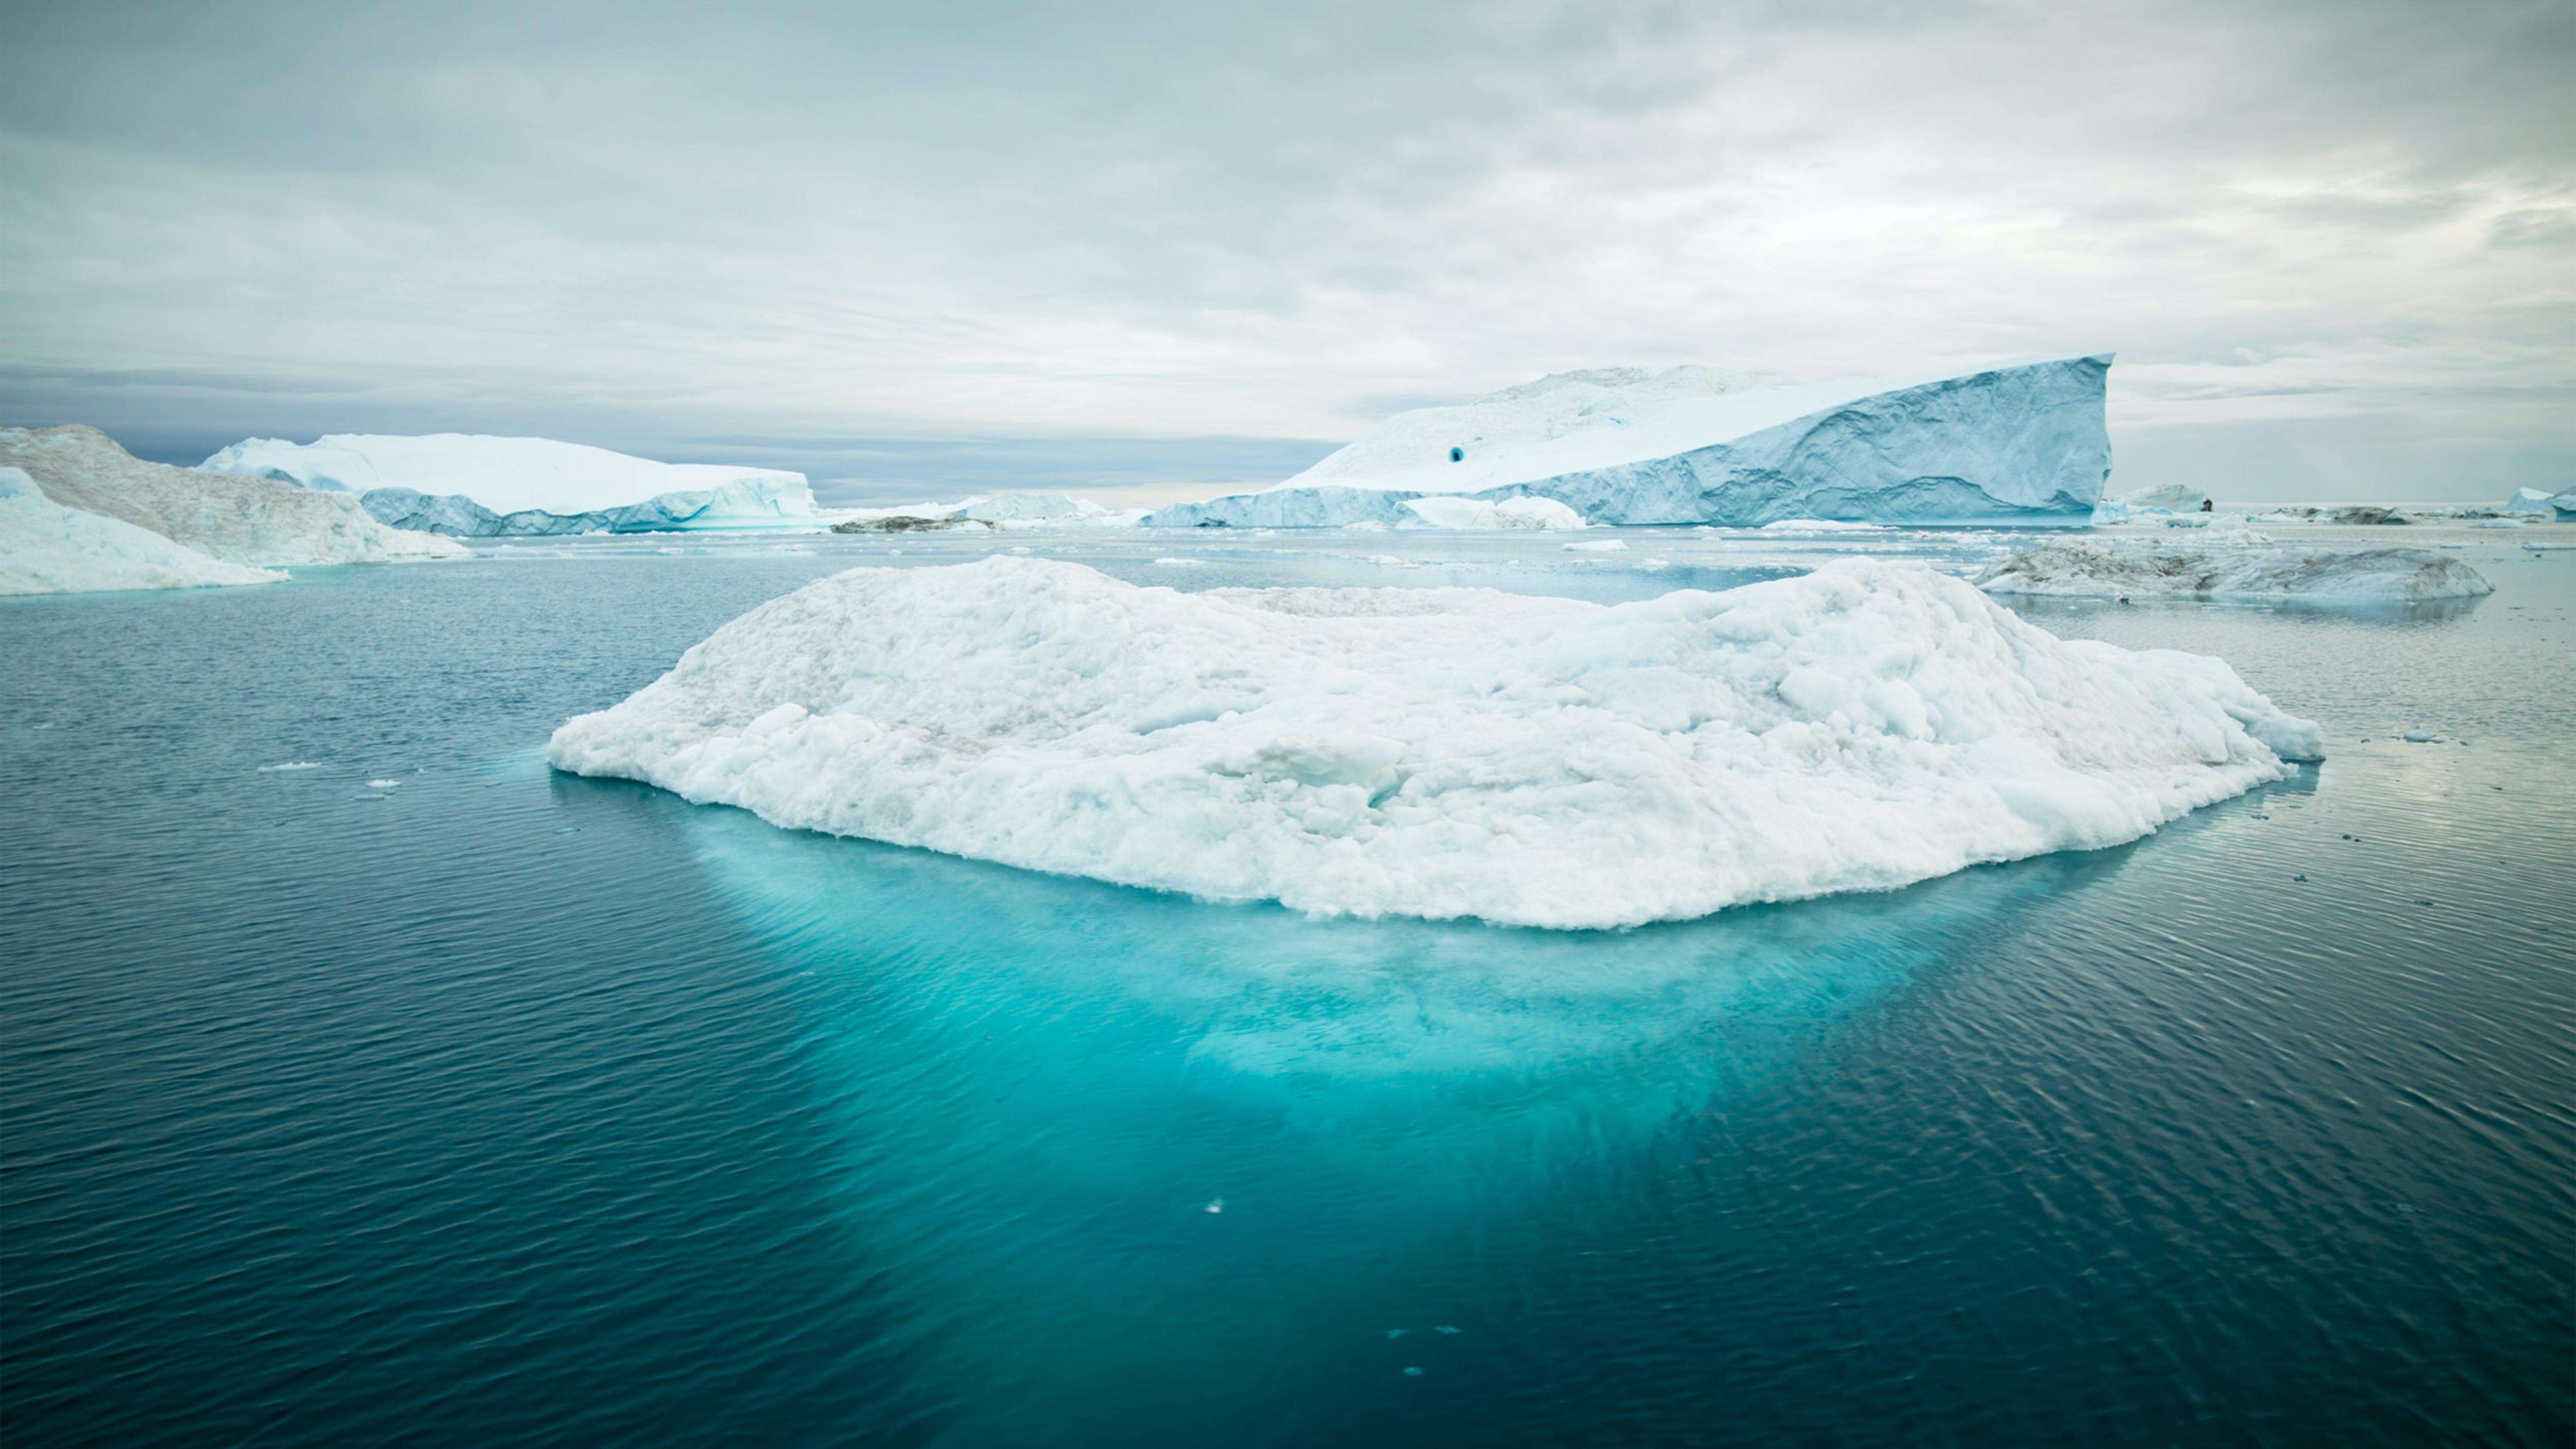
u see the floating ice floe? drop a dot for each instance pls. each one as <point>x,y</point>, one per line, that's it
<point>1688,445</point>
<point>1440,752</point>
<point>257,522</point>
<point>2232,565</point>
<point>1450,512</point>
<point>47,548</point>
<point>474,486</point>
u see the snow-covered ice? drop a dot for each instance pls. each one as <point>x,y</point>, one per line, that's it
<point>47,548</point>
<point>2240,564</point>
<point>472,486</point>
<point>1440,752</point>
<point>1625,446</point>
<point>254,521</point>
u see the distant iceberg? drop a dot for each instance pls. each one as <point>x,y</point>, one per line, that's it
<point>2024,443</point>
<point>253,521</point>
<point>1441,752</point>
<point>49,548</point>
<point>2244,566</point>
<point>2542,503</point>
<point>473,486</point>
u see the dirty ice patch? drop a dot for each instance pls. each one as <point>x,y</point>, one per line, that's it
<point>1440,752</point>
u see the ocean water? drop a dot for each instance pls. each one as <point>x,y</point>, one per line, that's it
<point>425,1096</point>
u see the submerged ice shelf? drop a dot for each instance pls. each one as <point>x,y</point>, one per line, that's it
<point>1443,752</point>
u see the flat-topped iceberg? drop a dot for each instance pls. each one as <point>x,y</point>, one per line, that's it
<point>2024,443</point>
<point>48,548</point>
<point>258,522</point>
<point>1440,752</point>
<point>2239,565</point>
<point>474,486</point>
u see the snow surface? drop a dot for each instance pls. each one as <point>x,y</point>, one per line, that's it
<point>254,521</point>
<point>475,485</point>
<point>1440,752</point>
<point>46,548</point>
<point>1624,446</point>
<point>2242,564</point>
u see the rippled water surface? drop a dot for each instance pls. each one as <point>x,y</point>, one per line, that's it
<point>424,1096</point>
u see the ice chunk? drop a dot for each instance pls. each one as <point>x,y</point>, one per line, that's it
<point>475,486</point>
<point>254,521</point>
<point>2170,498</point>
<point>2530,501</point>
<point>46,548</point>
<point>1440,752</point>
<point>2245,565</point>
<point>1521,512</point>
<point>1624,446</point>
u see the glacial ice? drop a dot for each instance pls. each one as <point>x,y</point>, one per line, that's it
<point>1440,752</point>
<point>253,521</point>
<point>2242,564</point>
<point>47,548</point>
<point>474,486</point>
<point>2529,500</point>
<point>2020,443</point>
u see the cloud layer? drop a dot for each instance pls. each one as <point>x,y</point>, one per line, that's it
<point>2334,245</point>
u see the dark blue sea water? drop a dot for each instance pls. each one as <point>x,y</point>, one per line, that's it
<point>497,1107</point>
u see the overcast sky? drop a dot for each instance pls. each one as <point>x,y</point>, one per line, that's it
<point>949,245</point>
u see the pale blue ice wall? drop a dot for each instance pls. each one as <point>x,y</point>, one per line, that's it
<point>2025,444</point>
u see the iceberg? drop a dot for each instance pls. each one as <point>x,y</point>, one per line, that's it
<point>2529,500</point>
<point>998,510</point>
<point>473,486</point>
<point>1445,752</point>
<point>2024,443</point>
<point>2246,565</point>
<point>1442,511</point>
<point>48,548</point>
<point>253,521</point>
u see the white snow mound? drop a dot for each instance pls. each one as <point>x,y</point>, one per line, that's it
<point>46,548</point>
<point>254,521</point>
<point>2238,565</point>
<point>1442,752</point>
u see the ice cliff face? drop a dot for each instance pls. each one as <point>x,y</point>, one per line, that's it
<point>476,486</point>
<point>2024,443</point>
<point>47,548</point>
<point>251,521</point>
<point>2246,566</point>
<point>1440,752</point>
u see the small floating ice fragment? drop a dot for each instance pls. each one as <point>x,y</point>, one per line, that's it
<point>285,766</point>
<point>1217,1206</point>
<point>2421,737</point>
<point>1444,1328</point>
<point>384,784</point>
<point>1412,1372</point>
<point>1597,545</point>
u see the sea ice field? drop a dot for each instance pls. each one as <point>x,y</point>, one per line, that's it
<point>365,1079</point>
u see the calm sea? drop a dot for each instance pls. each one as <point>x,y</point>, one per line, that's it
<point>424,1096</point>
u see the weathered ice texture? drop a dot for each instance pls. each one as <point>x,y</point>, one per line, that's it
<point>2024,443</point>
<point>252,521</point>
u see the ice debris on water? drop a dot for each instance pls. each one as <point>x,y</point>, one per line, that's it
<point>1216,1206</point>
<point>384,784</point>
<point>285,766</point>
<point>1412,1373</point>
<point>1444,1328</point>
